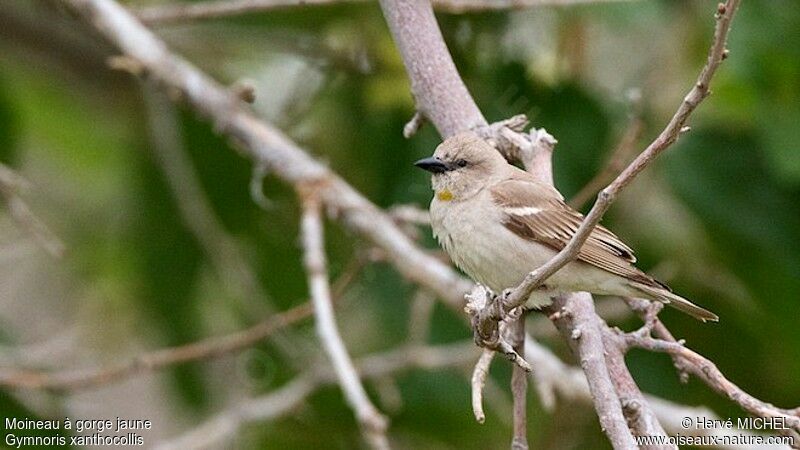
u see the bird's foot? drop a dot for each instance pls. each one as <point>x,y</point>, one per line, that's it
<point>490,320</point>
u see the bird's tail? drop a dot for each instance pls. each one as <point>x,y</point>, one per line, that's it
<point>665,296</point>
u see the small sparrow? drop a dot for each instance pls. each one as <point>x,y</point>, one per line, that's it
<point>498,223</point>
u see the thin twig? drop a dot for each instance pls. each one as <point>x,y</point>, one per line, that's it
<point>707,371</point>
<point>478,381</point>
<point>497,398</point>
<point>643,307</point>
<point>413,125</point>
<point>373,423</point>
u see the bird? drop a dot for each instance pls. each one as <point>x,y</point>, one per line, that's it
<point>498,223</point>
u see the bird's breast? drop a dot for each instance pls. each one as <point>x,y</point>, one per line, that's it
<point>480,245</point>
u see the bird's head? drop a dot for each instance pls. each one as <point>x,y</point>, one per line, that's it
<point>461,166</point>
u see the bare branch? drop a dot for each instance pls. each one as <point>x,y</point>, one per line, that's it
<point>373,423</point>
<point>641,418</point>
<point>269,147</point>
<point>643,308</point>
<point>478,381</point>
<point>707,371</point>
<point>688,362</point>
<point>556,377</point>
<point>575,318</point>
<point>439,93</point>
<point>519,386</point>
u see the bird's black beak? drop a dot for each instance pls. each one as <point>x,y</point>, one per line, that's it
<point>433,165</point>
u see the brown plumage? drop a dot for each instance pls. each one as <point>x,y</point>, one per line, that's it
<point>498,223</point>
<point>552,222</point>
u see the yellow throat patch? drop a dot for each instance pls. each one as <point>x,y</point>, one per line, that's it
<point>444,195</point>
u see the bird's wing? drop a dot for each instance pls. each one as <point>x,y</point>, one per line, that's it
<point>537,212</point>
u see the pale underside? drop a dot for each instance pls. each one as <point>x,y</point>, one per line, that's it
<point>496,257</point>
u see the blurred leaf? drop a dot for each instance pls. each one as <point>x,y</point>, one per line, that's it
<point>753,223</point>
<point>9,126</point>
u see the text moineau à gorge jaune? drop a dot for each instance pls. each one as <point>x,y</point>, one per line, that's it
<point>79,425</point>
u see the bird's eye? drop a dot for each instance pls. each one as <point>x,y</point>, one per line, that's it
<point>461,163</point>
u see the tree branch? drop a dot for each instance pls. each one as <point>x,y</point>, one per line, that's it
<point>519,386</point>
<point>413,18</point>
<point>439,93</point>
<point>373,423</point>
<point>642,420</point>
<point>575,318</point>
<point>267,145</point>
<point>556,378</point>
<point>478,381</point>
<point>707,371</point>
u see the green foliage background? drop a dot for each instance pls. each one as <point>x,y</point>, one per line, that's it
<point>718,216</point>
